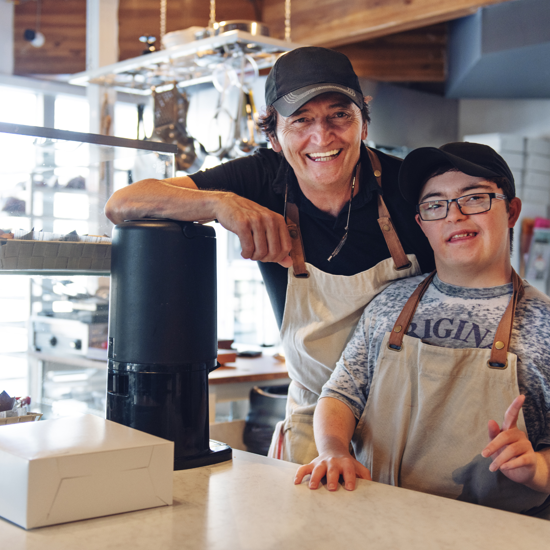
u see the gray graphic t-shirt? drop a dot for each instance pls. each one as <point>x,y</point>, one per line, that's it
<point>454,317</point>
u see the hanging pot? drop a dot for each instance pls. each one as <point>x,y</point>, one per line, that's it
<point>253,27</point>
<point>170,112</point>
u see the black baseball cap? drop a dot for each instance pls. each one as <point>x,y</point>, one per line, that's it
<point>304,73</point>
<point>473,159</point>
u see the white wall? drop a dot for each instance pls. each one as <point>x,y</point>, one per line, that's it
<point>400,117</point>
<point>404,117</point>
<point>524,117</point>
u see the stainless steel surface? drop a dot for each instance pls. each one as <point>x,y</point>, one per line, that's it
<point>65,135</point>
<point>255,28</point>
<point>67,336</point>
<point>187,64</point>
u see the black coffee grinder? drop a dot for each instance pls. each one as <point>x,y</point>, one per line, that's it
<point>163,334</point>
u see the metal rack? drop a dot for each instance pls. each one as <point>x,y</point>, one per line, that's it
<point>188,64</point>
<point>107,160</point>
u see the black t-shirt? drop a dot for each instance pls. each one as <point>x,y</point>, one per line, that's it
<point>262,178</point>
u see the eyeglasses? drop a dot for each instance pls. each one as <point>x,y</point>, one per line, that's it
<point>476,203</point>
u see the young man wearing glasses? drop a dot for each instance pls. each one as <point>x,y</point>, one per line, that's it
<point>435,361</point>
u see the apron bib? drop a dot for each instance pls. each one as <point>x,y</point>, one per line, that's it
<point>425,422</point>
<point>321,313</point>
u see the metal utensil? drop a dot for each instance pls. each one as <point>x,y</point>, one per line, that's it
<point>253,27</point>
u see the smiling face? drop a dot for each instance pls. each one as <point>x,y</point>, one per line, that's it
<point>470,250</point>
<point>321,141</point>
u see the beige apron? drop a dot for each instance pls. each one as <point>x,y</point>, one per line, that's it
<point>321,313</point>
<point>425,422</point>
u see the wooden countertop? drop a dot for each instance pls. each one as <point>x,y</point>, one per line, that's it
<point>245,369</point>
<point>258,369</point>
<point>251,503</point>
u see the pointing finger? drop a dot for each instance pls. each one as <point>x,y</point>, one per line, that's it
<point>512,413</point>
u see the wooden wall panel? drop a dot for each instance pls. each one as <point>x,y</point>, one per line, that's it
<point>139,17</point>
<point>63,23</point>
<point>412,56</point>
<point>334,23</point>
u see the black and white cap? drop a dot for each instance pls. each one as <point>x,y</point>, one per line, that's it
<point>304,73</point>
<point>474,159</point>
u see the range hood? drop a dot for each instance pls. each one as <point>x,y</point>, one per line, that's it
<point>502,51</point>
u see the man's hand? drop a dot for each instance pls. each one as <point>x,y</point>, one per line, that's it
<point>263,233</point>
<point>333,467</point>
<point>510,449</point>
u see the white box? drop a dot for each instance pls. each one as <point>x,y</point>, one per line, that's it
<point>519,177</point>
<point>538,146</point>
<point>514,160</point>
<point>68,469</point>
<point>499,142</point>
<point>537,163</point>
<point>534,196</point>
<point>537,180</point>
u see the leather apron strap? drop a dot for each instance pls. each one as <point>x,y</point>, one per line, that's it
<point>384,220</point>
<point>297,252</point>
<point>292,217</point>
<point>503,334</point>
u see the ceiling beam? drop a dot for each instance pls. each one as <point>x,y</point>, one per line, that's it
<point>333,23</point>
<point>411,56</point>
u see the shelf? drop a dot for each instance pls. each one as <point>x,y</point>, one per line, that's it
<point>57,272</point>
<point>3,213</point>
<point>96,139</point>
<point>188,64</point>
<point>77,360</point>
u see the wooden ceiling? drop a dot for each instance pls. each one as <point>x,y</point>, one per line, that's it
<point>388,40</point>
<point>63,23</point>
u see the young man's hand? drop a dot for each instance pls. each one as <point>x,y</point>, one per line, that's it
<point>334,424</point>
<point>512,452</point>
<point>333,467</point>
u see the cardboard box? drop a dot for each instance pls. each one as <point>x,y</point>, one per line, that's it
<point>31,417</point>
<point>537,180</point>
<point>499,142</point>
<point>19,254</point>
<point>538,146</point>
<point>534,196</point>
<point>519,177</point>
<point>514,160</point>
<point>68,469</point>
<point>538,163</point>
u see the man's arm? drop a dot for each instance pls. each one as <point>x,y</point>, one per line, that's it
<point>334,424</point>
<point>263,233</point>
<point>513,454</point>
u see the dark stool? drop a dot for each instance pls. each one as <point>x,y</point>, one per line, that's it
<point>267,407</point>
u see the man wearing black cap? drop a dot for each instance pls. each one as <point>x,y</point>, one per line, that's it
<point>317,194</point>
<point>435,360</point>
